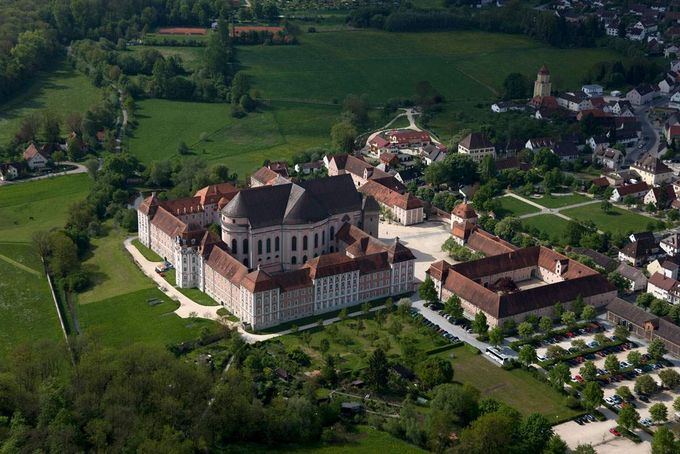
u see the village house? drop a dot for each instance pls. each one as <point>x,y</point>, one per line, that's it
<point>652,170</point>
<point>609,158</point>
<point>671,244</point>
<point>404,207</point>
<point>664,288</point>
<point>635,190</point>
<point>641,94</point>
<point>408,138</point>
<point>635,278</point>
<point>565,150</point>
<point>674,101</point>
<point>644,324</point>
<point>307,168</point>
<point>265,176</point>
<point>433,153</point>
<point>592,90</point>
<point>9,171</point>
<point>35,159</point>
<point>519,283</point>
<point>477,146</point>
<point>574,102</point>
<point>660,196</point>
<point>640,251</point>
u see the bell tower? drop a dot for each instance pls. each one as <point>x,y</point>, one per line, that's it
<point>542,85</point>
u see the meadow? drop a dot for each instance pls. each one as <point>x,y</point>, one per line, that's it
<point>367,440</point>
<point>510,206</point>
<point>60,91</point>
<point>560,201</point>
<point>39,205</point>
<point>27,312</point>
<point>617,220</point>
<point>554,226</point>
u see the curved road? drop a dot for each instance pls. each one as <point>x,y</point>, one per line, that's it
<point>79,169</point>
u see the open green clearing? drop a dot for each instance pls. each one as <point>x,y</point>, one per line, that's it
<point>559,201</point>
<point>553,226</point>
<point>616,221</point>
<point>275,132</point>
<point>127,319</point>
<point>193,293</point>
<point>518,388</point>
<point>191,56</point>
<point>511,206</point>
<point>112,269</point>
<point>146,252</point>
<point>367,441</point>
<point>60,91</point>
<point>39,205</point>
<point>27,312</point>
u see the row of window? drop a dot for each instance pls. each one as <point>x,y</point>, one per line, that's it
<point>267,244</point>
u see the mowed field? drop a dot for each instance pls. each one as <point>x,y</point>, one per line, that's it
<point>274,132</point>
<point>39,205</point>
<point>463,66</point>
<point>617,220</point>
<point>27,312</point>
<point>510,206</point>
<point>61,91</point>
<point>554,226</point>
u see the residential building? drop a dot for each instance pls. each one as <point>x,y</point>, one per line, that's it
<point>575,102</point>
<point>660,196</point>
<point>635,190</point>
<point>404,207</point>
<point>671,244</point>
<point>609,158</point>
<point>566,150</point>
<point>9,171</point>
<point>265,176</point>
<point>639,252</point>
<point>641,94</point>
<point>593,90</point>
<point>35,159</point>
<point>665,288</point>
<point>635,278</point>
<point>477,146</point>
<point>652,170</point>
<point>307,168</point>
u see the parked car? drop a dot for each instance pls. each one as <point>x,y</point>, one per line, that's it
<point>614,432</point>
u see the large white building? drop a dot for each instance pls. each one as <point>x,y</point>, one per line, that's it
<point>286,251</point>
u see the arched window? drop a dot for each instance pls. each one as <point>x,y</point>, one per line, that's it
<point>269,245</point>
<point>304,259</point>
<point>245,246</point>
<point>259,246</point>
<point>304,243</point>
<point>276,244</point>
<point>293,243</point>
<point>234,246</point>
<point>293,260</point>
<point>332,233</point>
<point>323,237</point>
<point>316,240</point>
<point>331,249</point>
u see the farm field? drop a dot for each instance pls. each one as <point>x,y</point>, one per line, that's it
<point>27,312</point>
<point>517,387</point>
<point>554,226</point>
<point>128,318</point>
<point>60,91</point>
<point>616,221</point>
<point>39,205</point>
<point>511,206</point>
<point>463,66</point>
<point>276,132</point>
<point>559,201</point>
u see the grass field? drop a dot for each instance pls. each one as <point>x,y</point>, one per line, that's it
<point>560,201</point>
<point>366,441</point>
<point>554,226</point>
<point>195,294</point>
<point>511,206</point>
<point>146,252</point>
<point>616,221</point>
<point>112,269</point>
<point>27,312</point>
<point>276,132</point>
<point>38,205</point>
<point>517,387</point>
<point>60,91</point>
<point>128,318</point>
<point>191,56</point>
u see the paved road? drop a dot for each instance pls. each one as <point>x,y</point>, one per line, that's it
<point>648,130</point>
<point>79,169</point>
<point>457,331</point>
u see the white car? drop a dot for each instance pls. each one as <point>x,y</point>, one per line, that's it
<point>610,400</point>
<point>624,364</point>
<point>646,422</point>
<point>542,357</point>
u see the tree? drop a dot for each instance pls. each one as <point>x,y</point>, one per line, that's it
<point>487,168</point>
<point>516,86</point>
<point>588,371</point>
<point>670,378</point>
<point>559,375</point>
<point>568,318</point>
<point>495,336</point>
<point>555,446</point>
<point>489,433</point>
<point>592,396</point>
<point>434,371</point>
<point>658,412</point>
<point>428,292</point>
<point>618,281</point>
<point>624,392</point>
<point>451,406</point>
<point>634,357</point>
<point>645,384</point>
<point>525,330</point>
<point>377,371</point>
<point>558,310</point>
<point>611,363</point>
<point>479,324</point>
<point>663,441</point>
<point>656,349</point>
<point>50,125</point>
<point>343,136</point>
<point>182,148</point>
<point>555,352</point>
<point>545,324</point>
<point>578,305</point>
<point>644,300</point>
<point>606,206</point>
<point>628,417</point>
<point>589,313</point>
<point>453,308</point>
<point>621,332</point>
<point>64,255</point>
<point>508,227</point>
<point>342,315</point>
<point>324,345</point>
<point>535,431</point>
<point>527,355</point>
<point>584,449</point>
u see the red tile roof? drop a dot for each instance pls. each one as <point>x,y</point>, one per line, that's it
<point>389,197</point>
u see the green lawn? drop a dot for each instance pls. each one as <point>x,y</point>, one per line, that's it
<point>112,270</point>
<point>61,91</point>
<point>146,252</point>
<point>367,441</point>
<point>193,293</point>
<point>39,205</point>
<point>275,132</point>
<point>616,221</point>
<point>191,56</point>
<point>554,226</point>
<point>27,312</point>
<point>510,206</point>
<point>127,319</point>
<point>517,388</point>
<point>559,201</point>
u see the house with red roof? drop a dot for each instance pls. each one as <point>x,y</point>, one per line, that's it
<point>35,158</point>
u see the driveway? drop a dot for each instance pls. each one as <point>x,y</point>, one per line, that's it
<point>79,169</point>
<point>457,331</point>
<point>425,241</point>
